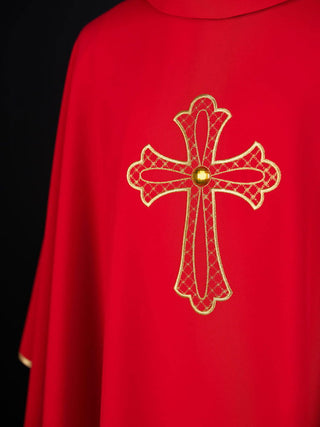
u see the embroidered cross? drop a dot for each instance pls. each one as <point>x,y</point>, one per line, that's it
<point>203,176</point>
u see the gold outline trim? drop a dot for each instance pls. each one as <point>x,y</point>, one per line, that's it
<point>165,158</point>
<point>263,160</point>
<point>213,190</point>
<point>26,362</point>
<point>214,149</point>
<point>216,243</point>
<point>189,111</point>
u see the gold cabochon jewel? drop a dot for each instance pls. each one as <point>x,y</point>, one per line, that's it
<point>201,176</point>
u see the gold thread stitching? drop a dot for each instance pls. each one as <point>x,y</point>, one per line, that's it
<point>217,287</point>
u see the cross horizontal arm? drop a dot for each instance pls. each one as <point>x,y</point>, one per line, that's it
<point>151,190</point>
<point>251,160</point>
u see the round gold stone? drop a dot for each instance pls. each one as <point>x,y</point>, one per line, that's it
<point>201,175</point>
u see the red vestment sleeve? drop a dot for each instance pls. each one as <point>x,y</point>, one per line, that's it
<point>178,279</point>
<point>63,324</point>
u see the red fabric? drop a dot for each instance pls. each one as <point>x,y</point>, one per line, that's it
<point>212,9</point>
<point>113,340</point>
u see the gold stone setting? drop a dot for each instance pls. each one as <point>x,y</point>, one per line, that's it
<point>201,176</point>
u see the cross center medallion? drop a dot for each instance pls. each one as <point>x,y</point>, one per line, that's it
<point>201,177</point>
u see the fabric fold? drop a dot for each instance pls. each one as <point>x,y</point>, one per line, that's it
<point>63,327</point>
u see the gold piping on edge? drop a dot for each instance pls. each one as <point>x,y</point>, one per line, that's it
<point>26,362</point>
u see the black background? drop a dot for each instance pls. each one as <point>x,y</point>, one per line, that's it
<point>38,37</point>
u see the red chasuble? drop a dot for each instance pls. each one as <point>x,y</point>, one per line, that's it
<point>178,282</point>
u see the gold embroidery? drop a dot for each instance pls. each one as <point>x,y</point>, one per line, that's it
<point>201,178</point>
